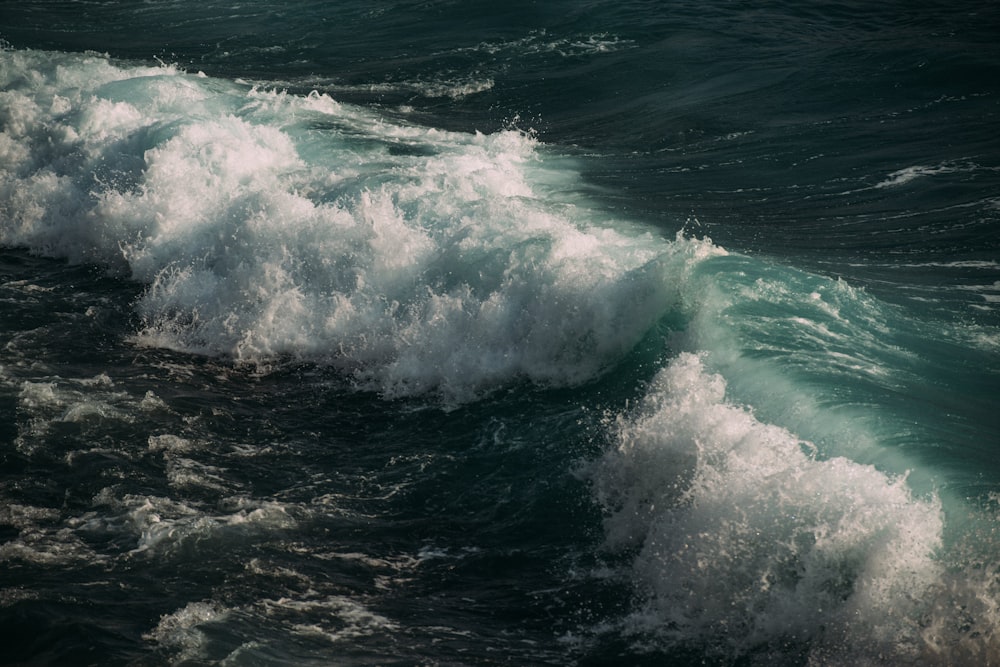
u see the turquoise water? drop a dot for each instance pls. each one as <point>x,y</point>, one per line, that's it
<point>448,333</point>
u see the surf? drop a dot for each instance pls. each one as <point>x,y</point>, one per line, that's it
<point>767,494</point>
<point>271,225</point>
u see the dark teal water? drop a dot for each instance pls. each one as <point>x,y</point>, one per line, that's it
<point>455,333</point>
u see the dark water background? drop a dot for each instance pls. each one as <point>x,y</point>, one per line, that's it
<point>534,333</point>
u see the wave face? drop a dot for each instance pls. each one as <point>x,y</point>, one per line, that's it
<point>460,333</point>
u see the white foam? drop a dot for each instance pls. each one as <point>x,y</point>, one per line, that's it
<point>343,618</point>
<point>151,403</point>
<point>180,631</point>
<point>170,444</point>
<point>43,538</point>
<point>538,42</point>
<point>53,400</point>
<point>909,174</point>
<point>453,88</point>
<point>48,548</point>
<point>24,516</point>
<point>269,225</point>
<point>188,473</point>
<point>747,541</point>
<point>164,527</point>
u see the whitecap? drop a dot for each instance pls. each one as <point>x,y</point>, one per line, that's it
<point>747,541</point>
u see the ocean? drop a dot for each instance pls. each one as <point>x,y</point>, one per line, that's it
<point>449,332</point>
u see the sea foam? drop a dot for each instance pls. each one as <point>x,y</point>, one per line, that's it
<point>743,541</point>
<point>271,226</point>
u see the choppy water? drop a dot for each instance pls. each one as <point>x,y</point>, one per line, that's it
<point>449,333</point>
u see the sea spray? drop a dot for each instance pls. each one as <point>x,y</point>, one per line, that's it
<point>746,541</point>
<point>271,226</point>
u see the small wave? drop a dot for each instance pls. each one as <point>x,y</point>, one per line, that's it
<point>961,264</point>
<point>539,42</point>
<point>909,174</point>
<point>180,632</point>
<point>452,89</point>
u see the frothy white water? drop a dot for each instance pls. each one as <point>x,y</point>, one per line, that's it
<point>908,174</point>
<point>268,225</point>
<point>418,261</point>
<point>747,542</point>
